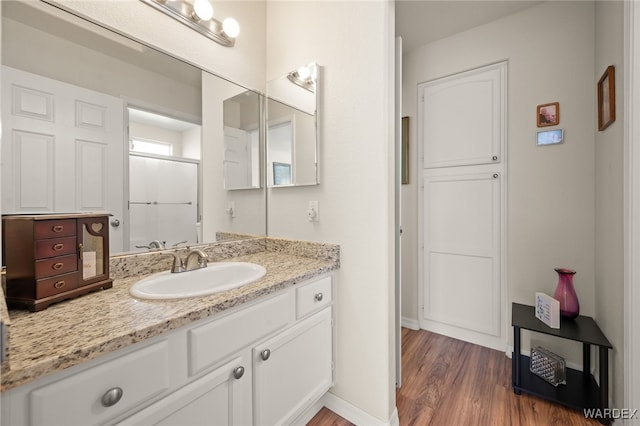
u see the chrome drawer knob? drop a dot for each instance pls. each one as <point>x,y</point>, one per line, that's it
<point>319,297</point>
<point>265,354</point>
<point>238,372</point>
<point>111,397</point>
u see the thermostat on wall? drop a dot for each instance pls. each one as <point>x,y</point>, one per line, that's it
<point>550,137</point>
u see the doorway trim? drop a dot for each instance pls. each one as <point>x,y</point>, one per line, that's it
<point>632,206</point>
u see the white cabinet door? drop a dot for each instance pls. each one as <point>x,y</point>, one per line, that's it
<point>221,397</point>
<point>62,149</point>
<point>463,118</point>
<point>462,285</point>
<point>292,369</point>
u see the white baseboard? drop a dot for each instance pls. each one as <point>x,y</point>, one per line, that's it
<point>308,414</point>
<point>354,414</point>
<point>410,323</point>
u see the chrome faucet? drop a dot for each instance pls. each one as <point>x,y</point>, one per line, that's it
<point>155,245</point>
<point>180,265</point>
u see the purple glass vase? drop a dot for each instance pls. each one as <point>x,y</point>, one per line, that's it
<point>566,294</point>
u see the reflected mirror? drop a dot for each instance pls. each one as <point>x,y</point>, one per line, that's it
<point>292,132</point>
<point>93,121</point>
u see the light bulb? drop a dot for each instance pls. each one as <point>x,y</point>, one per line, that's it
<point>203,9</point>
<point>231,27</point>
<point>303,73</point>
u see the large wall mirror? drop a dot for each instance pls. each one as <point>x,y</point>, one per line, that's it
<point>292,130</point>
<point>93,121</point>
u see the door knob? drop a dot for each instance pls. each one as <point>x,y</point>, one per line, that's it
<point>115,223</point>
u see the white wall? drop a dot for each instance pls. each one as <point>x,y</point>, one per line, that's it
<point>41,53</point>
<point>550,198</point>
<point>352,42</point>
<point>609,197</point>
<point>244,63</point>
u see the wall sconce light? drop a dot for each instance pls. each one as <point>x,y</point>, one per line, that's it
<point>198,15</point>
<point>305,77</point>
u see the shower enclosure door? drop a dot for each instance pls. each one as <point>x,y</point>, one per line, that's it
<point>163,204</point>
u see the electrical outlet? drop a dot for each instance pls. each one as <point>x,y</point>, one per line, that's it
<point>231,209</point>
<point>313,213</point>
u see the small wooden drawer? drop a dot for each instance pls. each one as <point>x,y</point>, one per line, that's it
<point>54,228</point>
<point>55,285</point>
<point>313,296</point>
<point>55,247</point>
<point>56,266</point>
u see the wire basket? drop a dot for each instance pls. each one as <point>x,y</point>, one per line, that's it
<point>548,366</point>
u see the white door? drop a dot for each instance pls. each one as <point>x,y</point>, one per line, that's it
<point>462,131</point>
<point>62,147</point>
<point>237,159</point>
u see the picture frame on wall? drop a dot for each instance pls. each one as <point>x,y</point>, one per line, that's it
<point>405,150</point>
<point>606,98</point>
<point>548,114</point>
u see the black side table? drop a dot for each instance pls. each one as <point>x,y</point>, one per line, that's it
<point>581,390</point>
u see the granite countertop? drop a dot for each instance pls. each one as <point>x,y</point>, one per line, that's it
<point>71,332</point>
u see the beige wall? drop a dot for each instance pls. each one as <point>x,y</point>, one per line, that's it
<point>550,190</point>
<point>351,41</point>
<point>609,197</point>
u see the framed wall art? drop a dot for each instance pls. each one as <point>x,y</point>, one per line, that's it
<point>606,98</point>
<point>548,114</point>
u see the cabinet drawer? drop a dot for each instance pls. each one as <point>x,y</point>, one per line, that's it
<point>313,297</point>
<point>210,343</point>
<point>56,266</point>
<point>55,247</point>
<point>54,228</point>
<point>78,399</point>
<point>55,285</point>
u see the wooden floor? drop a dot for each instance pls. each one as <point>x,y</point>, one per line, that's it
<point>449,382</point>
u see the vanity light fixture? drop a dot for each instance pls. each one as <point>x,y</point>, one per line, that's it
<point>304,77</point>
<point>198,15</point>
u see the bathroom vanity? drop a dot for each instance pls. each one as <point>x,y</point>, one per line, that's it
<point>260,354</point>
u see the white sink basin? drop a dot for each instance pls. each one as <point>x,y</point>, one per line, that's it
<point>217,277</point>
